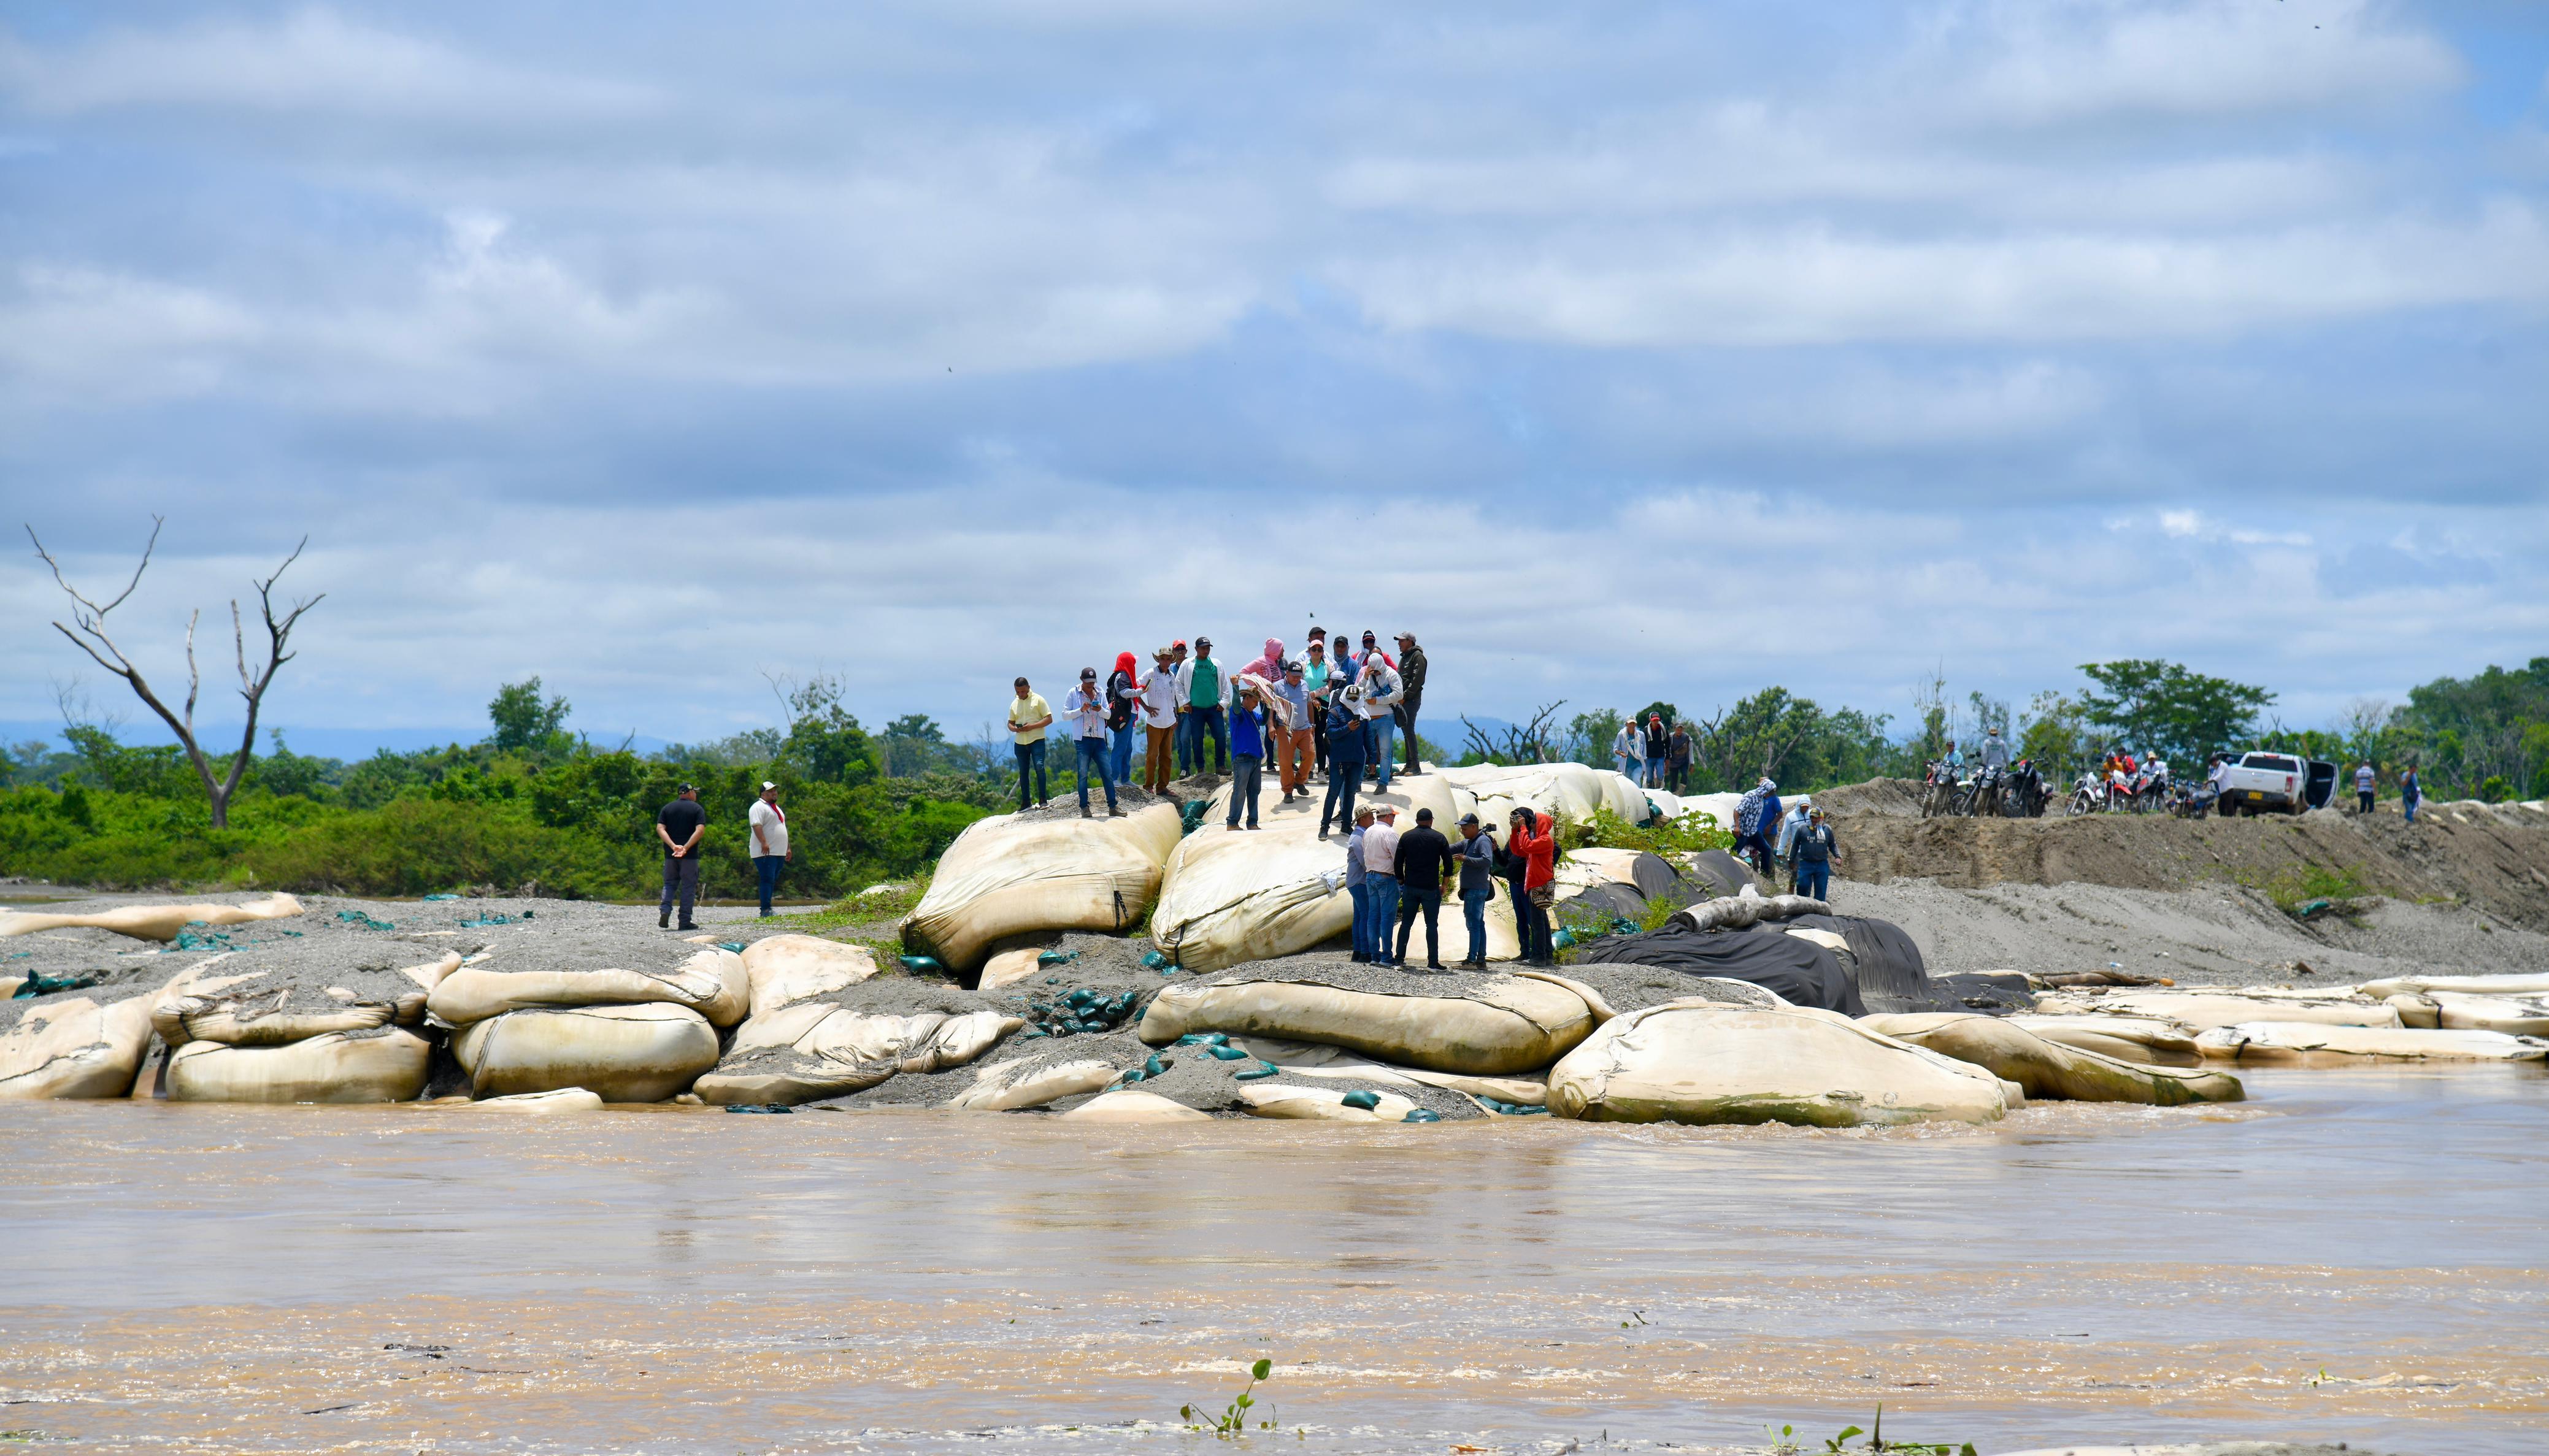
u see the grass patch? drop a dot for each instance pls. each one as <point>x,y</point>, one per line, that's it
<point>893,902</point>
<point>2311,889</point>
<point>1688,834</point>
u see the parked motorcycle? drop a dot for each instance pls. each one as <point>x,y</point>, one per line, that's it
<point>2024,795</point>
<point>2089,795</point>
<point>1937,789</point>
<point>1982,796</point>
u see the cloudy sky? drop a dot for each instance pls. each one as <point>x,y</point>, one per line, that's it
<point>1618,350</point>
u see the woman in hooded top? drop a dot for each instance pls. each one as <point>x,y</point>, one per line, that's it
<point>1270,665</point>
<point>1123,696</point>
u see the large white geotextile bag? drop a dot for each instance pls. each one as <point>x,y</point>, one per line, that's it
<point>1504,1026</point>
<point>1564,792</point>
<point>1702,1062</point>
<point>2520,985</point>
<point>1133,1105</point>
<point>1321,1104</point>
<point>2304,1042</point>
<point>2052,1070</point>
<point>1231,898</point>
<point>642,1052</point>
<point>812,1050</point>
<point>74,1048</point>
<point>792,968</point>
<point>2144,1038</point>
<point>248,1009</point>
<point>1025,1082</point>
<point>2202,1011</point>
<point>150,922</point>
<point>711,982</point>
<point>381,1067</point>
<point>1006,876</point>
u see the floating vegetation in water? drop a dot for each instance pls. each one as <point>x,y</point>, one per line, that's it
<point>1232,1420</point>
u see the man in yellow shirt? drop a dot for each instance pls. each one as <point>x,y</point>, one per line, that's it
<point>1029,717</point>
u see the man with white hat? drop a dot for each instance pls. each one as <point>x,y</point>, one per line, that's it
<point>769,850</point>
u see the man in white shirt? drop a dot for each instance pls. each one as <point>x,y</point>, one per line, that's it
<point>1159,721</point>
<point>1380,877</point>
<point>770,851</point>
<point>1086,707</point>
<point>1382,691</point>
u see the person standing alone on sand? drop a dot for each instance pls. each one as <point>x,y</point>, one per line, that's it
<point>770,851</point>
<point>2410,792</point>
<point>680,824</point>
<point>1029,716</point>
<point>2363,781</point>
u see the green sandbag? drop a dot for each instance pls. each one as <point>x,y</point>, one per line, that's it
<point>1364,1099</point>
<point>1225,1054</point>
<point>1258,1072</point>
<point>1421,1115</point>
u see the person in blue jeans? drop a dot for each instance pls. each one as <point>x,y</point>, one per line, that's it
<point>1247,757</point>
<point>1380,881</point>
<point>1475,852</point>
<point>2410,792</point>
<point>1029,717</point>
<point>1086,707</point>
<point>1354,888</point>
<point>771,852</point>
<point>1814,854</point>
<point>1349,743</point>
<point>1123,696</point>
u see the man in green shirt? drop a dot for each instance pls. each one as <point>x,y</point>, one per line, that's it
<point>1029,717</point>
<point>1205,699</point>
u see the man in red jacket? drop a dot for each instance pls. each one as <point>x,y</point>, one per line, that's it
<point>1532,850</point>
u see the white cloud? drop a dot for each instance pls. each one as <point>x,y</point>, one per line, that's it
<point>2070,62</point>
<point>1644,288</point>
<point>310,62</point>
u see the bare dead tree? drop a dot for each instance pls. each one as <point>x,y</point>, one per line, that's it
<point>87,632</point>
<point>1526,743</point>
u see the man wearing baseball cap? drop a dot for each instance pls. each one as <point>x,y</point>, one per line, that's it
<point>1411,693</point>
<point>1380,881</point>
<point>768,824</point>
<point>680,824</point>
<point>1475,852</point>
<point>1085,705</point>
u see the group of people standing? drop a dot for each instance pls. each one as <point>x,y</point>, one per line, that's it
<point>1653,754</point>
<point>1396,878</point>
<point>1333,712</point>
<point>1799,837</point>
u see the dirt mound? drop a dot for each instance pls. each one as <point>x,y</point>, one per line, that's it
<point>1896,797</point>
<point>2472,855</point>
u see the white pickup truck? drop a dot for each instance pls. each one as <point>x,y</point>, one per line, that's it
<point>2284,782</point>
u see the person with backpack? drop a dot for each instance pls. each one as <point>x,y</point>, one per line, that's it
<point>1123,696</point>
<point>1814,850</point>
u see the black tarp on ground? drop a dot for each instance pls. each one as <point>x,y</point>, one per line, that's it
<point>1654,876</point>
<point>1890,974</point>
<point>1721,873</point>
<point>1599,905</point>
<point>1800,971</point>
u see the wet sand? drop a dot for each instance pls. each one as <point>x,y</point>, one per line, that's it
<point>201,1278</point>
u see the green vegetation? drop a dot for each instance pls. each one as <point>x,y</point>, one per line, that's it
<point>1688,834</point>
<point>1232,1420</point>
<point>527,806</point>
<point>2310,889</point>
<point>1784,1441</point>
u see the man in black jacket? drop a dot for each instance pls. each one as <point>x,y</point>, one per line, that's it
<point>1423,868</point>
<point>680,824</point>
<point>1812,851</point>
<point>1411,678</point>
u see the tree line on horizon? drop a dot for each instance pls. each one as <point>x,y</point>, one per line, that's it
<point>532,804</point>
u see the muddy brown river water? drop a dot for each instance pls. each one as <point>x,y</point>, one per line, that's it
<point>2354,1256</point>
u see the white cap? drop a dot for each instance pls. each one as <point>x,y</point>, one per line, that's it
<point>766,784</point>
